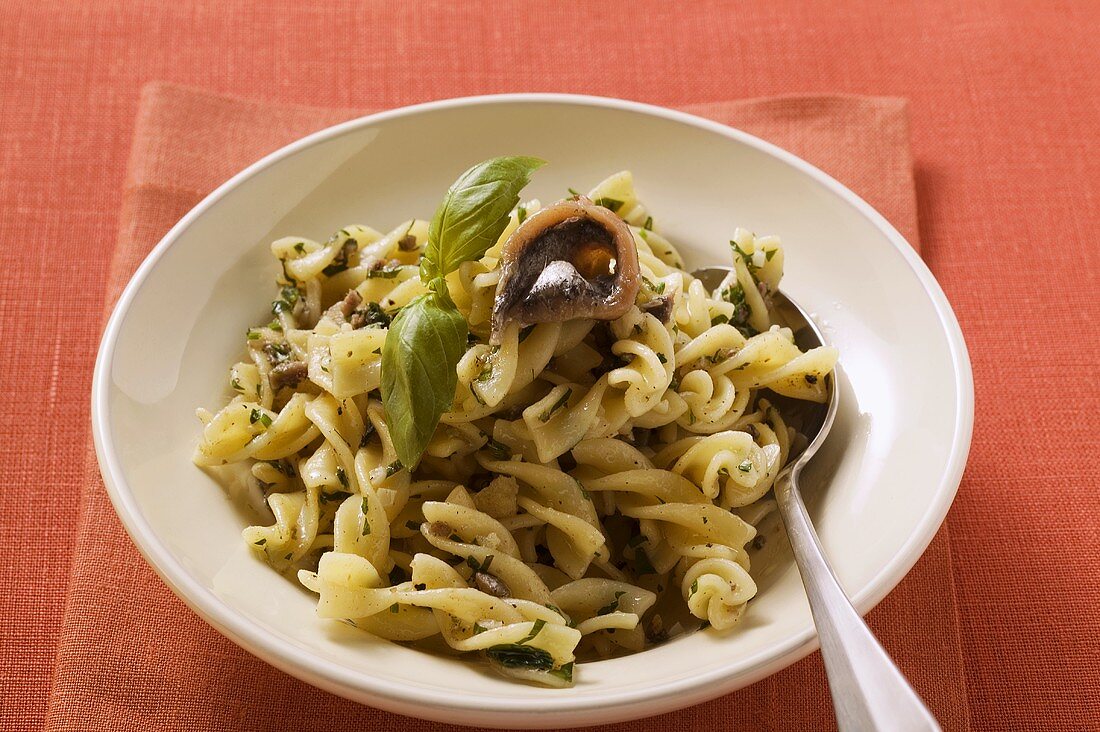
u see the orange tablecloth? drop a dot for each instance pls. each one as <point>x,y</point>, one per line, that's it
<point>185,142</point>
<point>1004,109</point>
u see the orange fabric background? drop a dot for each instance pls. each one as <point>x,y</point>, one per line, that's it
<point>1004,106</point>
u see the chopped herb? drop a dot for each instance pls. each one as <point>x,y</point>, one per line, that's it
<point>661,357</point>
<point>745,466</point>
<point>521,214</point>
<point>811,378</point>
<point>648,225</point>
<point>261,542</point>
<point>286,275</point>
<point>745,257</point>
<point>545,416</point>
<point>565,672</point>
<point>486,372</point>
<point>611,606</point>
<point>719,318</point>
<point>370,315</point>
<point>342,476</point>
<point>556,609</point>
<point>573,192</point>
<point>734,294</point>
<point>658,287</point>
<point>288,556</point>
<point>769,253</point>
<point>475,565</point>
<point>706,520</point>
<point>535,630</point>
<point>275,325</point>
<point>236,384</point>
<point>478,629</point>
<point>610,203</point>
<point>395,608</point>
<point>282,467</point>
<point>694,588</point>
<point>259,416</point>
<point>300,247</point>
<point>498,450</point>
<point>366,520</point>
<point>393,468</point>
<point>420,586</point>
<point>253,335</point>
<point>340,261</point>
<point>513,655</point>
<point>383,273</point>
<point>335,496</point>
<point>277,352</point>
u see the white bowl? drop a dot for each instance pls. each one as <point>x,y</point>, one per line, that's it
<point>879,490</point>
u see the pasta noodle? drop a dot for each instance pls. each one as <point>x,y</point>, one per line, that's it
<point>592,488</point>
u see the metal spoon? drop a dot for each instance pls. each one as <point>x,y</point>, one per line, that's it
<point>869,692</point>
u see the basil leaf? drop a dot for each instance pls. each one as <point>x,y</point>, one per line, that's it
<point>474,212</point>
<point>513,655</point>
<point>422,348</point>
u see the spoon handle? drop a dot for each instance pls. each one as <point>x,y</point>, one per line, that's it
<point>869,692</point>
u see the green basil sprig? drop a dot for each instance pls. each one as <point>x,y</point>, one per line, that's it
<point>428,337</point>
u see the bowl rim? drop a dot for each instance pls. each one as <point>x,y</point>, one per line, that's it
<point>614,705</point>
